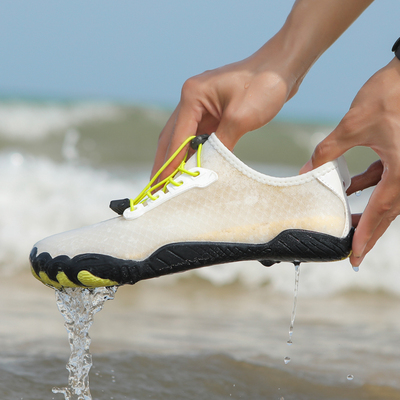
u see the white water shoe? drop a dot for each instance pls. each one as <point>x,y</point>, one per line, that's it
<point>213,209</point>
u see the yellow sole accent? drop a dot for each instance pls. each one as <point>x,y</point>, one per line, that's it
<point>47,281</point>
<point>35,274</point>
<point>65,282</point>
<point>88,279</point>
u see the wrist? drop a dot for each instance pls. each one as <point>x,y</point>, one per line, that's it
<point>289,57</point>
<point>311,28</point>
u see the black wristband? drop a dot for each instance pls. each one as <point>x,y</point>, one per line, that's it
<point>396,48</point>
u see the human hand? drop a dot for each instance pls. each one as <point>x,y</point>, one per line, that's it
<point>372,121</point>
<point>230,101</point>
<point>246,95</point>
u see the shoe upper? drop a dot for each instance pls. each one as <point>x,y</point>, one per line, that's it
<point>227,202</point>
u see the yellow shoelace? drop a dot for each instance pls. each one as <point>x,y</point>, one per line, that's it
<point>146,193</point>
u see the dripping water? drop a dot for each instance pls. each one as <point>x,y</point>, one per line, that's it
<point>78,307</point>
<point>296,290</point>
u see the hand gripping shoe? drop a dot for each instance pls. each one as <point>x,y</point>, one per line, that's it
<point>213,209</point>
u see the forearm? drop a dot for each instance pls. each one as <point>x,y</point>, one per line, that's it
<point>311,28</point>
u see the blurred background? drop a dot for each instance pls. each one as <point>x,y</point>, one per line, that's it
<point>85,89</point>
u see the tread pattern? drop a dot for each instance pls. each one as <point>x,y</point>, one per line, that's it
<point>291,245</point>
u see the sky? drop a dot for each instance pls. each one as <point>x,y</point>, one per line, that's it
<point>141,52</point>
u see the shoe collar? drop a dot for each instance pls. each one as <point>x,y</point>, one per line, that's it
<point>213,150</point>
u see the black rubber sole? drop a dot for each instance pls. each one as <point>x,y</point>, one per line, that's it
<point>293,245</point>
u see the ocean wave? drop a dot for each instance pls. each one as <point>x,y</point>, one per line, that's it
<point>31,121</point>
<point>39,198</point>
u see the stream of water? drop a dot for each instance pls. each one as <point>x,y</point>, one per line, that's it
<point>78,307</point>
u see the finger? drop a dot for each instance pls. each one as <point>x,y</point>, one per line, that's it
<point>368,178</point>
<point>186,124</point>
<point>383,204</point>
<point>332,147</point>
<point>227,134</point>
<point>163,142</point>
<point>378,232</point>
<point>307,167</point>
<point>237,119</point>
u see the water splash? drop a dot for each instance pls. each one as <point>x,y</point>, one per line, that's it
<point>78,307</point>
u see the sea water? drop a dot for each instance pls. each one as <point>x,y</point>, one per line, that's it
<point>217,332</point>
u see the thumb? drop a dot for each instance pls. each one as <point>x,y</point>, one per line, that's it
<point>332,147</point>
<point>230,130</point>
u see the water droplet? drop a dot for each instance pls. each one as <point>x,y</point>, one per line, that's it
<point>356,269</point>
<point>358,193</point>
<point>350,377</point>
<point>287,360</point>
<point>289,342</point>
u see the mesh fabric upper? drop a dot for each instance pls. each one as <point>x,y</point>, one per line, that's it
<point>235,208</point>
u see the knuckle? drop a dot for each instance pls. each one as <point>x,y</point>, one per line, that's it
<point>190,87</point>
<point>384,207</point>
<point>348,124</point>
<point>391,217</point>
<point>393,213</point>
<point>321,150</point>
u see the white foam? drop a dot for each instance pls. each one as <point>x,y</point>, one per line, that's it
<point>30,121</point>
